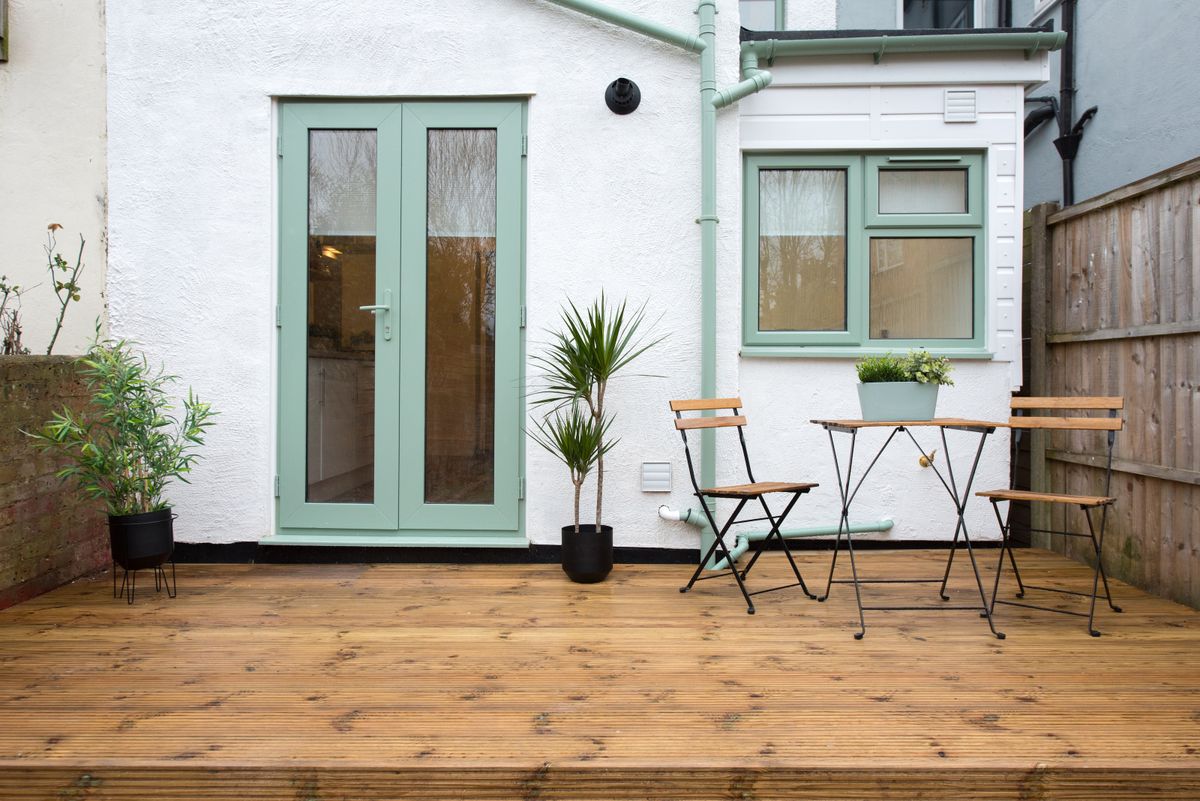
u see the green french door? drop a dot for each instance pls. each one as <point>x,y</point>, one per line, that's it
<point>399,323</point>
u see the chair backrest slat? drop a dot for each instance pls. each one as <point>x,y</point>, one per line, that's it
<point>1068,403</point>
<point>705,404</point>
<point>1068,423</point>
<point>687,424</point>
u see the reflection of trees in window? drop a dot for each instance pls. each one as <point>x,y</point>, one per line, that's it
<point>341,182</point>
<point>802,250</point>
<point>461,315</point>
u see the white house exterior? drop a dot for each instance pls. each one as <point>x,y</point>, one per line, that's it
<point>207,251</point>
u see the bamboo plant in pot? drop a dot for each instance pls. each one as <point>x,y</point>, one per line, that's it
<point>592,346</point>
<point>125,446</point>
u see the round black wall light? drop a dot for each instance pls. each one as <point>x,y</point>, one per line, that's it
<point>622,96</point>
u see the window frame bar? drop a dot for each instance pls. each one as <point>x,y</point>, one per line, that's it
<point>861,174</point>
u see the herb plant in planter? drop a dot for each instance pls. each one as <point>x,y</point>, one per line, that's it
<point>895,388</point>
<point>124,448</point>
<point>592,346</point>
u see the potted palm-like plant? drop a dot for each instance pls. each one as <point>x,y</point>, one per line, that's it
<point>126,446</point>
<point>895,388</point>
<point>583,356</point>
<point>578,440</point>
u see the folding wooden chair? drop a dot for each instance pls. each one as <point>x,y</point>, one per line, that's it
<point>1112,423</point>
<point>742,493</point>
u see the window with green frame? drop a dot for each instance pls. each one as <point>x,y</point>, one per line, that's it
<point>853,253</point>
<point>763,15</point>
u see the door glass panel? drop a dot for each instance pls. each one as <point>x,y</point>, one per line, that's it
<point>460,337</point>
<point>922,288</point>
<point>341,338</point>
<point>802,250</point>
<point>922,191</point>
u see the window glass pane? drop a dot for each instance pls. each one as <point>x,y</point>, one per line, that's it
<point>341,338</point>
<point>923,192</point>
<point>939,14</point>
<point>757,15</point>
<point>460,317</point>
<point>802,250</point>
<point>922,288</point>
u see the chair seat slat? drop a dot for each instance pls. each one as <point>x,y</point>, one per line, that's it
<point>1069,423</point>
<point>688,423</point>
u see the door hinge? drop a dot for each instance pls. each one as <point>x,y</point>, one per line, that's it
<point>521,488</point>
<point>276,486</point>
<point>524,145</point>
<point>522,316</point>
<point>278,317</point>
<point>279,146</point>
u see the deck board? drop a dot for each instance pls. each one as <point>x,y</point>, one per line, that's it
<point>507,681</point>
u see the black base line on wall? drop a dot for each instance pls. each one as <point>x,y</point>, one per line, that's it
<point>255,553</point>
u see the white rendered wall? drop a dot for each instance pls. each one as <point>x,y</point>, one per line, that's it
<point>851,104</point>
<point>611,205</point>
<point>52,160</point>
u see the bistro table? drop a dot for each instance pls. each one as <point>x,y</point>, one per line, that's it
<point>848,488</point>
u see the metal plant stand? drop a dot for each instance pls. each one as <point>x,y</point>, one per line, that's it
<point>848,488</point>
<point>129,581</point>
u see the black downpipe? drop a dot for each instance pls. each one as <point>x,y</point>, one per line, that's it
<point>1005,20</point>
<point>1066,105</point>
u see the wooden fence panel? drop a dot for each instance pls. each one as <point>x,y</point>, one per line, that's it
<point>1120,275</point>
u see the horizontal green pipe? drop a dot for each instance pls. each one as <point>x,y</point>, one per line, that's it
<point>742,543</point>
<point>1028,41</point>
<point>634,23</point>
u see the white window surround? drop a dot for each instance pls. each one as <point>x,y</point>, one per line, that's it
<point>978,13</point>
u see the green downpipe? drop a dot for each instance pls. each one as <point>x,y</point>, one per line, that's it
<point>634,23</point>
<point>707,11</point>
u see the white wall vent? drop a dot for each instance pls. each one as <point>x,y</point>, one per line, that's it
<point>656,476</point>
<point>960,106</point>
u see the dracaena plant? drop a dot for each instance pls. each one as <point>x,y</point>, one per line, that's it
<point>583,356</point>
<point>127,444</point>
<point>577,440</point>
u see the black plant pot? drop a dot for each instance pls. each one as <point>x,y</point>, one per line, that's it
<point>587,557</point>
<point>143,540</point>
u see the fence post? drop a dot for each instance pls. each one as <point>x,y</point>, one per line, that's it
<point>1041,255</point>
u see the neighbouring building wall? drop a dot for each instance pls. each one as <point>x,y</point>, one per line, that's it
<point>1136,62</point>
<point>50,533</point>
<point>885,14</point>
<point>52,165</point>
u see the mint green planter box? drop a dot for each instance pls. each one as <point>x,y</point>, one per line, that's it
<point>889,401</point>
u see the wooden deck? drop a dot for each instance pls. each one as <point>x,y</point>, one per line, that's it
<point>501,682</point>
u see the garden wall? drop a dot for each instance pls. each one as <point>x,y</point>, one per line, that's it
<point>49,534</point>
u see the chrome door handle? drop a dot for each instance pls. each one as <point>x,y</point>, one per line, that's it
<point>385,307</point>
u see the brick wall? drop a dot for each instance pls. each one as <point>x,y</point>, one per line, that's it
<point>49,533</point>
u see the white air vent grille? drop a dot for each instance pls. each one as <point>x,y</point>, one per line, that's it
<point>960,105</point>
<point>656,476</point>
